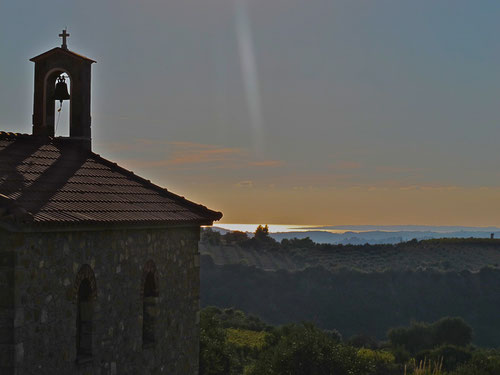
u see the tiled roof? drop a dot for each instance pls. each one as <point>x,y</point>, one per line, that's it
<point>53,181</point>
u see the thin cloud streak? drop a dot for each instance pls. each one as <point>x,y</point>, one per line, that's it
<point>190,155</point>
<point>266,163</point>
<point>249,71</point>
<point>345,165</point>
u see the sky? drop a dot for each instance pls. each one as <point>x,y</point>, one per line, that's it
<point>317,112</point>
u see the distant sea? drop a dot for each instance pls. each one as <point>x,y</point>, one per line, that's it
<point>364,234</point>
<point>283,228</point>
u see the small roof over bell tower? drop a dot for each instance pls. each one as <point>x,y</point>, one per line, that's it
<point>48,68</point>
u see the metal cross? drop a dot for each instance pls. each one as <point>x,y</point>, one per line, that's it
<point>64,35</point>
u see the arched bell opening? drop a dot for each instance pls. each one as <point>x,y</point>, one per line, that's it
<point>57,97</point>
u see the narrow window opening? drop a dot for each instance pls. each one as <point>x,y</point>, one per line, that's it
<point>84,320</point>
<point>150,311</point>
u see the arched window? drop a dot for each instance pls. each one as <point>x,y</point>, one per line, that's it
<point>149,304</point>
<point>86,293</point>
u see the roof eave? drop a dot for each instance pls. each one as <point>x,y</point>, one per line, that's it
<point>207,213</point>
<point>82,226</point>
<point>59,49</point>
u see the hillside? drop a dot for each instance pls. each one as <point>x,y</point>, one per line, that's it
<point>358,289</point>
<point>440,254</point>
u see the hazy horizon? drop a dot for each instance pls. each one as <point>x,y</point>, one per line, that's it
<point>277,228</point>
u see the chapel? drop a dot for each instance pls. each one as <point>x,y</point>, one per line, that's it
<point>99,268</point>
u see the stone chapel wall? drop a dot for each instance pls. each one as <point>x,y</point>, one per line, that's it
<point>7,260</point>
<point>47,265</point>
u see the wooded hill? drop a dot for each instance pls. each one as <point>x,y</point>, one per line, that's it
<point>357,289</point>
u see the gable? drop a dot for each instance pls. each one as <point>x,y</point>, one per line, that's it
<point>61,51</point>
<point>57,182</point>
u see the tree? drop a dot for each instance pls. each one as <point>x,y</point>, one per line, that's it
<point>451,331</point>
<point>303,349</point>
<point>424,336</point>
<point>216,355</point>
<point>262,233</point>
<point>235,237</point>
<point>415,338</point>
<point>208,235</point>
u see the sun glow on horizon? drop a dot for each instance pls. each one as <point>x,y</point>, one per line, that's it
<point>273,228</point>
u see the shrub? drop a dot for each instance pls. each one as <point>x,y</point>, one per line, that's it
<point>378,362</point>
<point>423,336</point>
<point>483,362</point>
<point>216,355</point>
<point>450,356</point>
<point>452,331</point>
<point>246,338</point>
<point>301,349</point>
<point>363,341</point>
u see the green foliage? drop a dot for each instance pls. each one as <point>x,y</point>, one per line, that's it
<point>230,340</point>
<point>452,331</point>
<point>378,362</point>
<point>363,341</point>
<point>423,336</point>
<point>415,338</point>
<point>246,338</point>
<point>483,362</point>
<point>450,356</point>
<point>302,349</point>
<point>233,318</point>
<point>333,334</point>
<point>426,367</point>
<point>216,355</point>
<point>355,301</point>
<point>376,355</point>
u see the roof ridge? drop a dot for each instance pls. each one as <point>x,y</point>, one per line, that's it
<point>213,215</point>
<point>10,135</point>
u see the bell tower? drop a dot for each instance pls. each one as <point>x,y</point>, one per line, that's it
<point>49,66</point>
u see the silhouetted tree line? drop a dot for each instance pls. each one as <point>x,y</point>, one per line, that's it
<point>260,238</point>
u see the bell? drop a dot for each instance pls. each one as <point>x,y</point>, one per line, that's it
<point>61,91</point>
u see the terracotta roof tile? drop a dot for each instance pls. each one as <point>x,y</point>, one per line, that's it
<point>57,182</point>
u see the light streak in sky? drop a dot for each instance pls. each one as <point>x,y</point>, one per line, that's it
<point>249,71</point>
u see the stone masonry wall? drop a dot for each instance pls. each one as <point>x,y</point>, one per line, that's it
<point>45,301</point>
<point>7,260</point>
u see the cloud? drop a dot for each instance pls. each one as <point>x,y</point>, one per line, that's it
<point>196,153</point>
<point>245,184</point>
<point>343,165</point>
<point>147,153</point>
<point>436,188</point>
<point>266,163</point>
<point>396,170</point>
